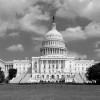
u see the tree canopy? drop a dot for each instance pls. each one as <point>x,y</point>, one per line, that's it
<point>12,73</point>
<point>2,76</point>
<point>93,73</point>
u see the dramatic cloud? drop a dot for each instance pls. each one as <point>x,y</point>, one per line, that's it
<point>83,8</point>
<point>28,15</point>
<point>9,9</point>
<point>77,33</point>
<point>22,14</point>
<point>65,14</point>
<point>32,20</point>
<point>71,34</point>
<point>18,47</point>
<point>93,29</point>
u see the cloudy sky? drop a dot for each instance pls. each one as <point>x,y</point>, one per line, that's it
<point>23,23</point>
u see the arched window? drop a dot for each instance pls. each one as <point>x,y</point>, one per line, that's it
<point>53,66</point>
<point>56,66</point>
<point>44,67</point>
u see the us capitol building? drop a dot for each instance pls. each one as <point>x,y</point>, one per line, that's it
<point>53,65</point>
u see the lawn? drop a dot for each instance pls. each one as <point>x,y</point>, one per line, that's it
<point>49,92</point>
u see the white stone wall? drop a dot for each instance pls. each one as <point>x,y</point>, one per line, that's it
<point>22,66</point>
<point>43,68</point>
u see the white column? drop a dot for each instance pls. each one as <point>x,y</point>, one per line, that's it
<point>60,65</point>
<point>55,67</point>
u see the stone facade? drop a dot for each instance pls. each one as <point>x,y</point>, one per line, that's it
<point>53,65</point>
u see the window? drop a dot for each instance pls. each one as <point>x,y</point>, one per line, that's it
<point>61,67</point>
<point>44,71</point>
<point>57,66</point>
<point>42,76</point>
<point>82,68</point>
<point>44,67</point>
<point>37,76</point>
<point>53,66</point>
<point>23,68</point>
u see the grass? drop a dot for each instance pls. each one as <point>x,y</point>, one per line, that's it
<point>49,92</point>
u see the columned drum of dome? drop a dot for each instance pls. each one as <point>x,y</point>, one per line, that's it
<point>53,43</point>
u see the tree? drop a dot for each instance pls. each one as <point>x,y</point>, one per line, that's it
<point>2,76</point>
<point>11,74</point>
<point>93,73</point>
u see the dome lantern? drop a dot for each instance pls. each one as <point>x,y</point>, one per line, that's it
<point>53,24</point>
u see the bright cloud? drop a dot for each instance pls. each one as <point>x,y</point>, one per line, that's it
<point>93,29</point>
<point>83,8</point>
<point>71,34</point>
<point>23,15</point>
<point>77,33</point>
<point>32,20</point>
<point>18,47</point>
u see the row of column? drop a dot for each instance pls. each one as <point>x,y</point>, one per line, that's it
<point>50,43</point>
<point>48,51</point>
<point>52,66</point>
<point>7,67</point>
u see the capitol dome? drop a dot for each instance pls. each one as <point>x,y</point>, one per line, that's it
<point>53,43</point>
<point>53,34</point>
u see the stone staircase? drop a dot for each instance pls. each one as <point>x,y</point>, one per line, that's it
<point>17,78</point>
<point>22,78</point>
<point>26,78</point>
<point>78,78</point>
<point>84,77</point>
